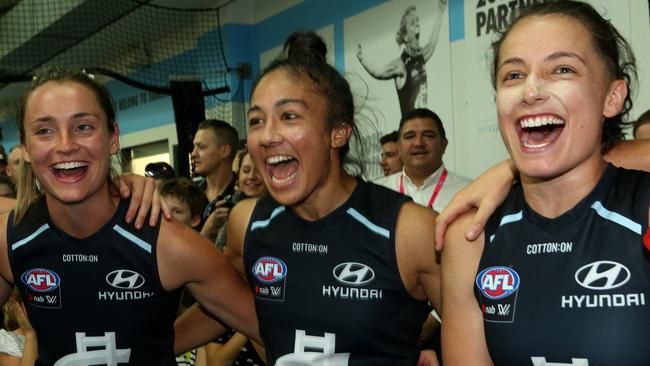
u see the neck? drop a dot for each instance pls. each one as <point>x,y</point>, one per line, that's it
<point>328,197</point>
<point>217,181</point>
<point>94,212</point>
<point>418,175</point>
<point>551,198</point>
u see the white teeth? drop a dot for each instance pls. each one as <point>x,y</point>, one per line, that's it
<point>541,121</point>
<point>285,180</point>
<point>70,165</point>
<point>277,159</point>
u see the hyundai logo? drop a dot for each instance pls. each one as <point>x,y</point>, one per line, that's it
<point>602,275</point>
<point>352,273</point>
<point>125,279</point>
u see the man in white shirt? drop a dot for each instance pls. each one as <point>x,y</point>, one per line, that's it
<point>424,177</point>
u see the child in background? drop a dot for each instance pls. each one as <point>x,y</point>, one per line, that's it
<point>185,201</point>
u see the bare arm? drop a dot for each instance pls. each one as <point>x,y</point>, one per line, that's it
<point>427,50</point>
<point>463,337</point>
<point>195,327</point>
<point>416,255</point>
<point>486,193</point>
<point>389,71</point>
<point>226,353</point>
<point>187,258</point>
<point>631,154</point>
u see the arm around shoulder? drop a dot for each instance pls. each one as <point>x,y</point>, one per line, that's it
<point>463,337</point>
<point>632,154</point>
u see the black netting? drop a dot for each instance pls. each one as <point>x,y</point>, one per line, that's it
<point>141,44</point>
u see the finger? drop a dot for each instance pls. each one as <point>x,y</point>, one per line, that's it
<point>145,205</point>
<point>136,188</point>
<point>479,220</point>
<point>155,208</point>
<point>443,220</point>
<point>124,188</point>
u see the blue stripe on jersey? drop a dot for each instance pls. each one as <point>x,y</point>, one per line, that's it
<point>264,223</point>
<point>492,237</point>
<point>508,219</point>
<point>137,241</point>
<point>615,217</point>
<point>374,228</point>
<point>36,233</point>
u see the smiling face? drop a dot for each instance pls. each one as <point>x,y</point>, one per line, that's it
<point>289,138</point>
<point>67,141</point>
<point>553,93</point>
<point>421,145</point>
<point>249,180</point>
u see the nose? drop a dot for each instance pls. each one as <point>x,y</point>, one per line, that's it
<point>67,143</point>
<point>534,90</point>
<point>269,134</point>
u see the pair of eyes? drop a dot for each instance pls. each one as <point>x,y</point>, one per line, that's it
<point>82,127</point>
<point>285,116</point>
<point>514,75</point>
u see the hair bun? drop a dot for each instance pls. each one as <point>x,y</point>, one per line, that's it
<point>305,46</point>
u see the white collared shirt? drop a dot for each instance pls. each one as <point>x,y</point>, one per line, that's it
<point>422,195</point>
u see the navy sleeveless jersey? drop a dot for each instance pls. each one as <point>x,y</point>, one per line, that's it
<point>574,290</point>
<point>93,301</point>
<point>413,94</point>
<point>329,292</point>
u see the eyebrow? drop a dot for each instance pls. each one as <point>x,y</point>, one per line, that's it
<point>553,56</point>
<point>279,103</point>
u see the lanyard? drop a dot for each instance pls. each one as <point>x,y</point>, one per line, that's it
<point>441,181</point>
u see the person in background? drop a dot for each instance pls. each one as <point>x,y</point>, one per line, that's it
<point>562,75</point>
<point>391,161</point>
<point>14,160</point>
<point>641,128</point>
<point>215,146</point>
<point>235,347</point>
<point>7,187</point>
<point>186,202</point>
<point>18,341</point>
<point>422,144</point>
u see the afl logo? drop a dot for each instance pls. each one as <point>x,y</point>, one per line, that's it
<point>497,282</point>
<point>125,279</point>
<point>602,275</point>
<point>41,279</point>
<point>269,269</point>
<point>352,273</point>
